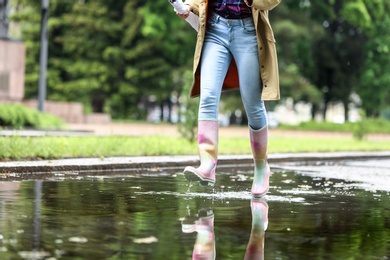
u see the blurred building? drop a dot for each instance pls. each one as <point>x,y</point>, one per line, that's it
<point>3,18</point>
<point>12,57</point>
<point>12,60</point>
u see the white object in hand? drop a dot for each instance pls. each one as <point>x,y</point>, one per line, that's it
<point>182,8</point>
<point>179,6</point>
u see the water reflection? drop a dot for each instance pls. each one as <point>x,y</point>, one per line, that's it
<point>8,190</point>
<point>37,214</point>
<point>203,224</point>
<point>255,248</point>
<point>157,216</point>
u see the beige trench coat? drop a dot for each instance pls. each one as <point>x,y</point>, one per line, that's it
<point>266,44</point>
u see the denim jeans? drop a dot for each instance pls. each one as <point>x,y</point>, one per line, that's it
<point>227,38</point>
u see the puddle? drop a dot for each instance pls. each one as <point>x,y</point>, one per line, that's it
<point>371,175</point>
<point>162,216</point>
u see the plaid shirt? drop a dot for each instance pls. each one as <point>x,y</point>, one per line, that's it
<point>231,9</point>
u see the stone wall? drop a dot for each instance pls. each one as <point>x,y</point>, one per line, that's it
<point>70,112</point>
<point>12,60</point>
<point>12,73</point>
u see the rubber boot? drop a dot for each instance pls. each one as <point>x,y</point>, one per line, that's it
<point>259,143</point>
<point>203,224</point>
<point>255,248</point>
<point>190,222</point>
<point>208,153</point>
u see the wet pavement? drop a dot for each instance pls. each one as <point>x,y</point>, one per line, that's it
<point>320,206</point>
<point>371,174</point>
<point>133,164</point>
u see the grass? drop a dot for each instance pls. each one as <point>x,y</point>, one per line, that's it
<point>371,125</point>
<point>23,148</point>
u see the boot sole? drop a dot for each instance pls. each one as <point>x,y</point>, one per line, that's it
<point>193,176</point>
<point>259,195</point>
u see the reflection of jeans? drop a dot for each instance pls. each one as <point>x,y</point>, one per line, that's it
<point>226,39</point>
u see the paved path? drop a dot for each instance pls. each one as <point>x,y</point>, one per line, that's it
<point>148,129</point>
<point>137,129</point>
<point>79,166</point>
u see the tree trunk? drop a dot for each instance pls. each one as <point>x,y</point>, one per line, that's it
<point>346,111</point>
<point>325,110</point>
<point>4,19</point>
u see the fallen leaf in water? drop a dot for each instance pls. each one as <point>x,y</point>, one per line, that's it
<point>78,239</point>
<point>145,240</point>
<point>33,254</point>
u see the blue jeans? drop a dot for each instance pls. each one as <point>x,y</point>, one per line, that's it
<point>227,38</point>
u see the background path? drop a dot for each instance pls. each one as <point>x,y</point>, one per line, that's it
<point>137,129</point>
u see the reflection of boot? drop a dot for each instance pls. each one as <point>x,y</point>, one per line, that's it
<point>255,248</point>
<point>203,224</point>
<point>189,223</point>
<point>208,153</point>
<point>259,142</point>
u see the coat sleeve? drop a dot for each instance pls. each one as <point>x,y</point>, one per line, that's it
<point>263,4</point>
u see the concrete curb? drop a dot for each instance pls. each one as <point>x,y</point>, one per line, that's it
<point>153,163</point>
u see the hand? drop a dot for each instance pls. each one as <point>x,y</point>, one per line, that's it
<point>184,16</point>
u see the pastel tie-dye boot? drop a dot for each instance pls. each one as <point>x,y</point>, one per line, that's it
<point>259,143</point>
<point>203,224</point>
<point>204,247</point>
<point>208,153</point>
<point>255,248</point>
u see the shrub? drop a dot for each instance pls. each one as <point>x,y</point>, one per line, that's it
<point>189,114</point>
<point>360,130</point>
<point>19,116</point>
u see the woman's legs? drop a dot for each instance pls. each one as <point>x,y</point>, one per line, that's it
<point>245,52</point>
<point>214,65</point>
<point>225,38</point>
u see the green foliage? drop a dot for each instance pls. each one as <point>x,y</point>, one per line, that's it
<point>374,87</point>
<point>356,13</point>
<point>295,32</point>
<point>360,129</point>
<point>19,116</point>
<point>107,55</point>
<point>340,47</point>
<point>189,113</point>
<point>113,55</point>
<point>298,87</point>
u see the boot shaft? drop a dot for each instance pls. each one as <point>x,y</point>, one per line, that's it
<point>259,143</point>
<point>208,153</point>
<point>208,139</point>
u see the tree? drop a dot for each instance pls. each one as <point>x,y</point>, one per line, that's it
<point>338,54</point>
<point>107,55</point>
<point>354,52</point>
<point>339,58</point>
<point>374,87</point>
<point>295,33</point>
<point>347,55</point>
<point>111,56</point>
